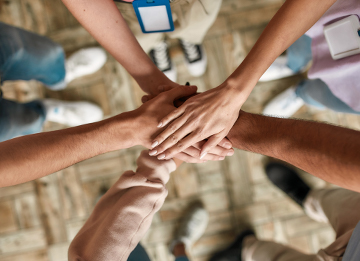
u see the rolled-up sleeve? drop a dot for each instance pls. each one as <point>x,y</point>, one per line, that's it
<point>124,214</point>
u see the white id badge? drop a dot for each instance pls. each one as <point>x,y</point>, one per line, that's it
<point>154,15</point>
<point>343,37</point>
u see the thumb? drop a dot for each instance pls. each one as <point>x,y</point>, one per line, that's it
<point>179,92</point>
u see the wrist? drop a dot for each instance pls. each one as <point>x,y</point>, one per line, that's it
<point>120,132</point>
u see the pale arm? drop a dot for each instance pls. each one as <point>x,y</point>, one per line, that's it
<point>104,22</point>
<point>212,114</point>
<point>292,20</point>
<point>326,151</point>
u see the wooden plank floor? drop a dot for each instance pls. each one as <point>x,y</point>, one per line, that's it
<point>38,219</point>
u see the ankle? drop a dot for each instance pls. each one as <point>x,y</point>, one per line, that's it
<point>179,250</point>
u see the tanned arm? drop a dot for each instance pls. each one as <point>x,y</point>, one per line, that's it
<point>33,156</point>
<point>329,152</point>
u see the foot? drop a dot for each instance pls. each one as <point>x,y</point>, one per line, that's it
<point>192,227</point>
<point>285,104</point>
<point>288,181</point>
<point>277,70</point>
<point>84,62</point>
<point>195,58</point>
<point>72,113</point>
<point>233,252</point>
<point>160,55</point>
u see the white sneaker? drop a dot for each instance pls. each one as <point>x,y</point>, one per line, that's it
<point>285,104</point>
<point>160,56</point>
<point>72,113</point>
<point>84,62</point>
<point>195,58</point>
<point>277,70</point>
<point>192,227</point>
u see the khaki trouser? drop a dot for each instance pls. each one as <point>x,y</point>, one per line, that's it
<point>192,20</point>
<point>339,207</point>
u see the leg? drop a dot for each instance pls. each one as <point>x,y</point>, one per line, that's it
<point>318,94</point>
<point>139,254</point>
<point>337,206</point>
<point>28,56</point>
<point>191,229</point>
<point>147,41</point>
<point>299,54</point>
<point>256,250</point>
<point>17,119</point>
<point>194,19</point>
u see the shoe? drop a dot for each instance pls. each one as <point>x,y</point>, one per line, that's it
<point>285,104</point>
<point>84,62</point>
<point>277,70</point>
<point>72,113</point>
<point>288,181</point>
<point>195,58</point>
<point>160,56</point>
<point>192,227</point>
<point>233,252</point>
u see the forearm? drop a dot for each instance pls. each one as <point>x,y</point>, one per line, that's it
<point>33,156</point>
<point>328,152</point>
<point>293,19</point>
<point>105,23</point>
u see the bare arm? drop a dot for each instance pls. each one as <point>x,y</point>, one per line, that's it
<point>191,122</point>
<point>329,152</point>
<point>105,23</point>
<point>33,156</point>
<point>292,20</point>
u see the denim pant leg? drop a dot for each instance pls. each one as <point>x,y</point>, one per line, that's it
<point>28,56</point>
<point>299,53</point>
<point>17,119</point>
<point>139,254</point>
<point>318,94</point>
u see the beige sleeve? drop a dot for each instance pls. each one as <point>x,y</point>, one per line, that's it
<point>123,215</point>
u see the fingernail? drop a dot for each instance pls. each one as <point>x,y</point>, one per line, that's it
<point>155,143</point>
<point>203,154</point>
<point>152,152</point>
<point>161,156</point>
<point>228,145</point>
<point>160,124</point>
<point>230,153</point>
<point>221,158</point>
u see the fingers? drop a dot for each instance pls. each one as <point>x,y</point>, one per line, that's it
<point>164,88</point>
<point>217,150</point>
<point>192,151</point>
<point>179,92</point>
<point>225,143</point>
<point>188,159</point>
<point>171,135</point>
<point>183,144</point>
<point>211,143</point>
<point>146,98</point>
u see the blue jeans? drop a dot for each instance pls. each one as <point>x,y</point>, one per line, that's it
<point>27,56</point>
<point>313,92</point>
<point>139,254</point>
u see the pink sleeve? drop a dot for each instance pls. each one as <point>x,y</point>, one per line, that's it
<point>124,214</point>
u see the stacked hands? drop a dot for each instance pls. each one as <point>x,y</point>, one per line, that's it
<point>191,126</point>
